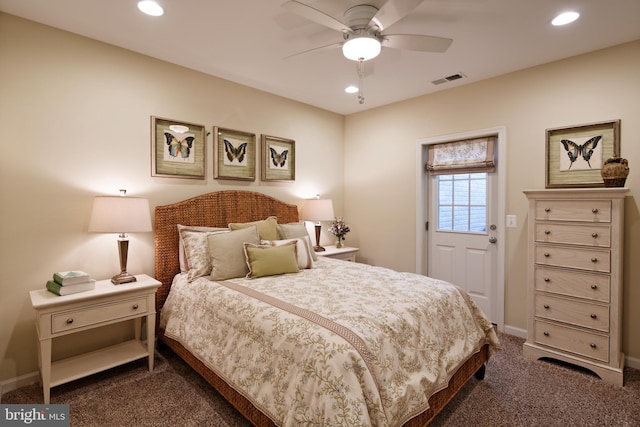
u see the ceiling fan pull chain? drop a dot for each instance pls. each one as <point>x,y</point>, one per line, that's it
<point>361,81</point>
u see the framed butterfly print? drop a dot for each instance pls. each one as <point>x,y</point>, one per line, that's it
<point>234,154</point>
<point>177,149</point>
<point>575,155</point>
<point>278,159</point>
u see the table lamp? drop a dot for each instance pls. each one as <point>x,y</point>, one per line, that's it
<point>120,215</point>
<point>317,210</point>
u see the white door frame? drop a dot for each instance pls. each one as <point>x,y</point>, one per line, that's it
<point>421,204</point>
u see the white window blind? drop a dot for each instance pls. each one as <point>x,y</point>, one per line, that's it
<point>468,156</point>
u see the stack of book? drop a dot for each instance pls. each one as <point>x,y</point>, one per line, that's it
<point>70,282</point>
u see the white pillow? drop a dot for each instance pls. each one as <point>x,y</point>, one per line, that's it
<point>303,250</point>
<point>294,230</point>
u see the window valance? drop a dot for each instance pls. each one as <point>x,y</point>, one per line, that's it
<point>472,155</point>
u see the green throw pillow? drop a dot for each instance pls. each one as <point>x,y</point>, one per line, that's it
<point>265,260</point>
<point>267,228</point>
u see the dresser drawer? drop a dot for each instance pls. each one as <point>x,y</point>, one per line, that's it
<point>583,259</point>
<point>573,283</point>
<point>591,345</point>
<point>574,210</point>
<point>86,316</point>
<point>577,313</point>
<point>574,234</point>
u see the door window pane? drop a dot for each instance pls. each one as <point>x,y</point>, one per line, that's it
<point>462,202</point>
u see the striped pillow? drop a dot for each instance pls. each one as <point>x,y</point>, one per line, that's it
<point>303,250</point>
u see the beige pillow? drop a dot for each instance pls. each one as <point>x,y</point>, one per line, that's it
<point>196,249</point>
<point>293,230</point>
<point>227,252</point>
<point>303,250</point>
<point>267,228</point>
<point>266,260</point>
<point>182,255</point>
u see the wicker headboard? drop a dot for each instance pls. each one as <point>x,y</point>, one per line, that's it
<point>211,210</point>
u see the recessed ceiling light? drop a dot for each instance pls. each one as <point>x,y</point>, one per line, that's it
<point>565,18</point>
<point>351,89</point>
<point>150,7</point>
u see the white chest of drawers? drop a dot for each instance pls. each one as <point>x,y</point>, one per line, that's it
<point>575,278</point>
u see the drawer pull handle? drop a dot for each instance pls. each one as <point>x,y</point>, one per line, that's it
<point>594,235</point>
<point>545,333</point>
<point>594,287</point>
<point>594,316</point>
<point>547,232</point>
<point>546,306</point>
<point>593,345</point>
<point>547,254</point>
<point>594,210</point>
<point>547,210</point>
<point>135,306</point>
<point>594,259</point>
<point>69,320</point>
<point>546,279</point>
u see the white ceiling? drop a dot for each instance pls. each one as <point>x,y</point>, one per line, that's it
<point>246,41</point>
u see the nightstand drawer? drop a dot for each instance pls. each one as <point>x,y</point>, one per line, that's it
<point>574,234</point>
<point>574,210</point>
<point>591,345</point>
<point>577,313</point>
<point>75,319</point>
<point>583,259</point>
<point>573,283</point>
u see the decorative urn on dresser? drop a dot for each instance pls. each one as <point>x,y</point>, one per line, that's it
<point>574,278</point>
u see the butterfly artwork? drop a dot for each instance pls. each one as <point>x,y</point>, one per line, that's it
<point>278,159</point>
<point>179,148</point>
<point>235,152</point>
<point>580,153</point>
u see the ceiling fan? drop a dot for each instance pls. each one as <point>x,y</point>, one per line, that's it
<point>364,29</point>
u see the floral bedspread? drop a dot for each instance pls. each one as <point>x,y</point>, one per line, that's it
<point>342,344</point>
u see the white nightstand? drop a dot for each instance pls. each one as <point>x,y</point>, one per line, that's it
<point>106,304</point>
<point>345,253</point>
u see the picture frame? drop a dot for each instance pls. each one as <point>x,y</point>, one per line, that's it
<point>574,155</point>
<point>178,149</point>
<point>278,158</point>
<point>234,154</point>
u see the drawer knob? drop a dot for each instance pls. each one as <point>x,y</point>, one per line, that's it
<point>547,232</point>
<point>545,333</point>
<point>594,259</point>
<point>593,345</point>
<point>546,279</point>
<point>594,287</point>
<point>547,210</point>
<point>546,306</point>
<point>594,316</point>
<point>547,254</point>
<point>594,235</point>
<point>594,210</point>
<point>69,320</point>
<point>135,306</point>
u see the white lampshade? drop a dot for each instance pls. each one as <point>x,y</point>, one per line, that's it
<point>361,48</point>
<point>120,215</point>
<point>317,210</point>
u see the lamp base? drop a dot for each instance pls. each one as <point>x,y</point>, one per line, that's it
<point>318,249</point>
<point>123,277</point>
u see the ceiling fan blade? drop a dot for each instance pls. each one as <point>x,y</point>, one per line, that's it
<point>316,50</point>
<point>316,16</point>
<point>417,42</point>
<point>392,11</point>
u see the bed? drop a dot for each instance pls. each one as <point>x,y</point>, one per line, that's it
<point>336,364</point>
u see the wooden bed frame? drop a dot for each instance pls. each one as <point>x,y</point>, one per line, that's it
<point>218,210</point>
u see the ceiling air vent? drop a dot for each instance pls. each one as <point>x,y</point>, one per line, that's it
<point>450,78</point>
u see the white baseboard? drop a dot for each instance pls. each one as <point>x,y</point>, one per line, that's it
<point>632,362</point>
<point>17,382</point>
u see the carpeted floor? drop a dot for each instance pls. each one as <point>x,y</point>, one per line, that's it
<point>515,392</point>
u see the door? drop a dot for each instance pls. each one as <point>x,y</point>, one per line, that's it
<point>463,235</point>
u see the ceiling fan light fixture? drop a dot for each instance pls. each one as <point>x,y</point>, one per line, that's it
<point>361,48</point>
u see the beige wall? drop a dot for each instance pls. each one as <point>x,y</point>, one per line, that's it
<point>380,159</point>
<point>77,113</point>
